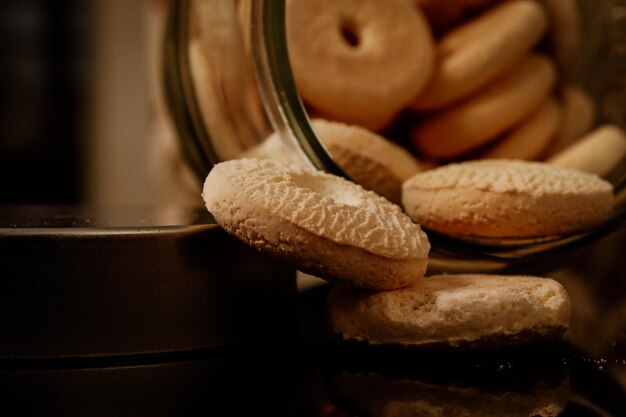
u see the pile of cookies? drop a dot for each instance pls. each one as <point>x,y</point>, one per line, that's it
<point>479,87</point>
<point>335,229</point>
<point>465,79</point>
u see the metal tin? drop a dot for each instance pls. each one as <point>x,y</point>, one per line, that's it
<point>97,283</point>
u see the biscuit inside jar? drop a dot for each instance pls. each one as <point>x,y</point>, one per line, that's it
<point>499,86</point>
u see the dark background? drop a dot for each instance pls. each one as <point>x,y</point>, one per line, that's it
<point>44,66</point>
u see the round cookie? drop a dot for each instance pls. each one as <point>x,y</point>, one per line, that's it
<point>476,53</point>
<point>369,159</point>
<point>530,140</point>
<point>453,310</point>
<point>506,198</point>
<point>599,152</point>
<point>474,122</point>
<point>359,62</point>
<point>323,224</point>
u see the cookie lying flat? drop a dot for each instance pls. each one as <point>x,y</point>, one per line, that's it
<point>599,152</point>
<point>323,224</point>
<point>453,310</point>
<point>506,198</point>
<point>370,160</point>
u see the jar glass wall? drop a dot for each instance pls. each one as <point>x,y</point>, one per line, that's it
<point>229,86</point>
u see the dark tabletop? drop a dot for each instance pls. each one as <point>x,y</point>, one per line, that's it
<point>298,367</point>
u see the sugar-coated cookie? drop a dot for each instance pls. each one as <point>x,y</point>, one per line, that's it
<point>531,139</point>
<point>599,152</point>
<point>475,53</point>
<point>369,159</point>
<point>506,198</point>
<point>500,106</point>
<point>359,61</point>
<point>321,223</point>
<point>453,310</point>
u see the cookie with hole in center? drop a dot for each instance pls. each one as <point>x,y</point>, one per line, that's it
<point>320,223</point>
<point>359,61</point>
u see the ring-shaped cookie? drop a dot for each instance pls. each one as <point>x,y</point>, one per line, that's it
<point>359,61</point>
<point>321,223</point>
<point>476,53</point>
<point>499,107</point>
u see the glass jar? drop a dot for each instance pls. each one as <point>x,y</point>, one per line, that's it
<point>229,85</point>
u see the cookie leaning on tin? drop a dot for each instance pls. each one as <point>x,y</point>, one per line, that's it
<point>321,223</point>
<point>453,310</point>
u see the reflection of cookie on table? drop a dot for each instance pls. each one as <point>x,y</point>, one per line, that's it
<point>380,396</point>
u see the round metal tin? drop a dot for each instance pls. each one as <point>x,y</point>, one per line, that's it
<point>78,282</point>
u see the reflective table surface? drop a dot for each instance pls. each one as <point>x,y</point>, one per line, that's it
<point>302,369</point>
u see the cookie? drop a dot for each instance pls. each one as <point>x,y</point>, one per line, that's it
<point>578,117</point>
<point>472,55</point>
<point>453,310</point>
<point>369,159</point>
<point>497,108</point>
<point>507,198</point>
<point>599,152</point>
<point>323,224</point>
<point>531,139</point>
<point>359,62</point>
